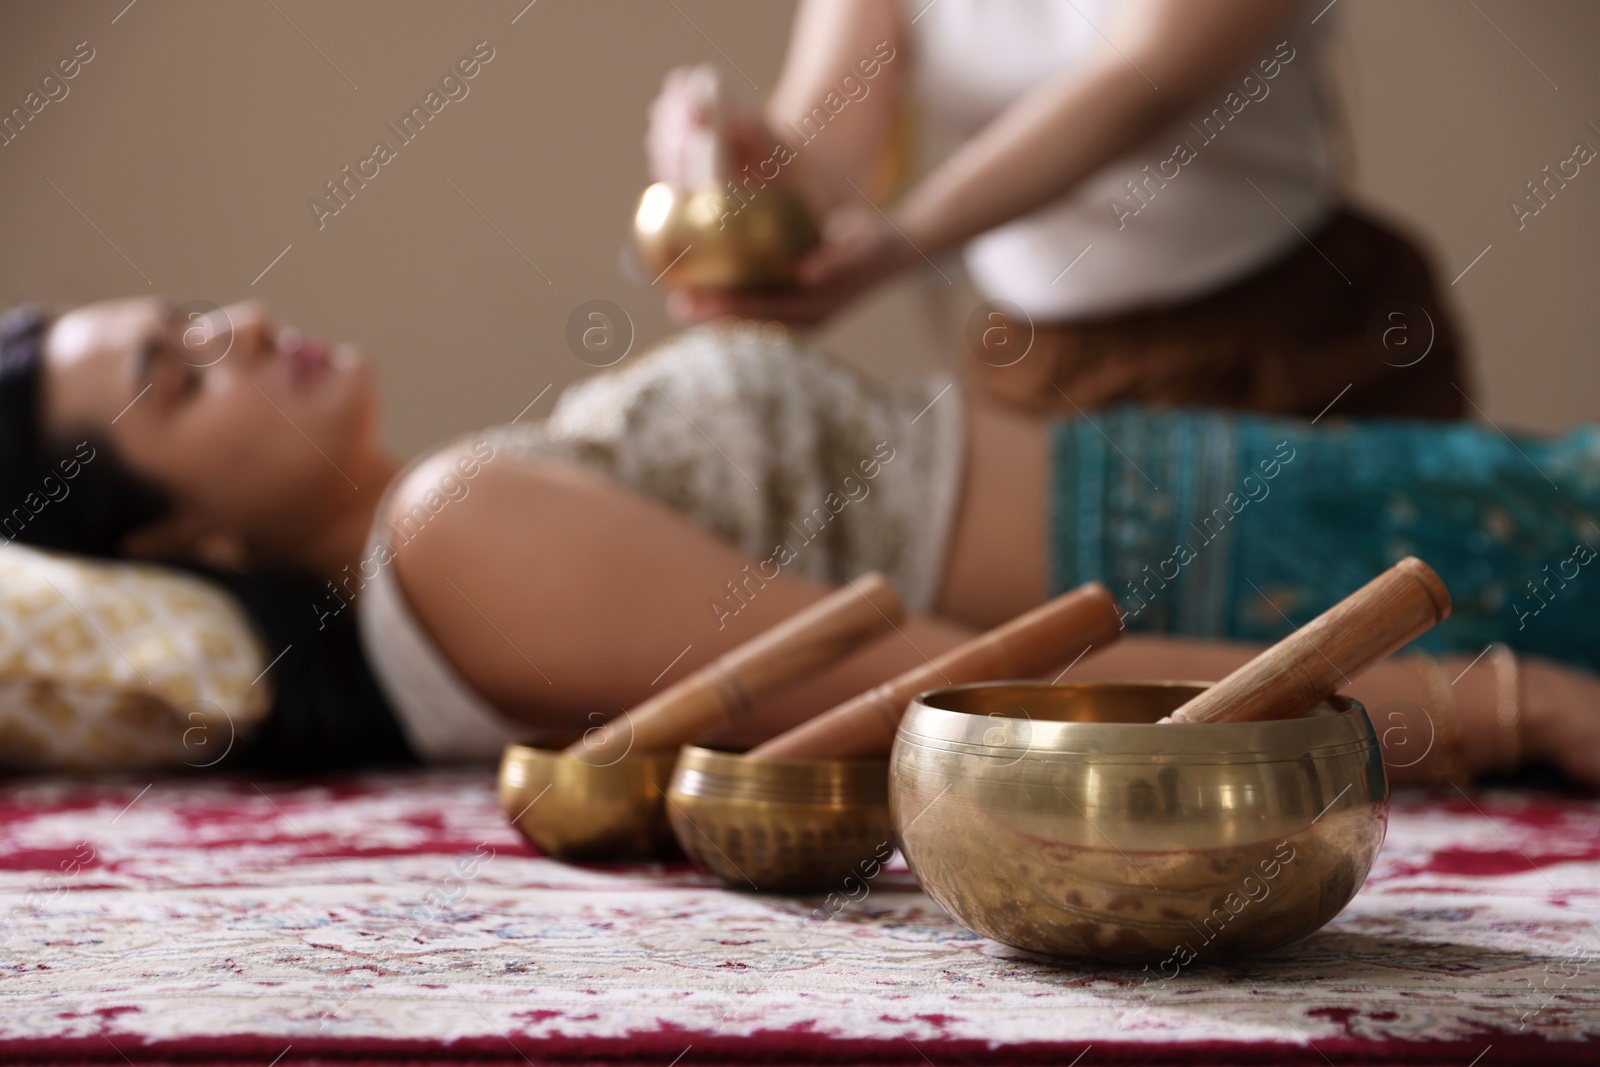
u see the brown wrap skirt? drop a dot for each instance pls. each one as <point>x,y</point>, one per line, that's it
<point>1352,315</point>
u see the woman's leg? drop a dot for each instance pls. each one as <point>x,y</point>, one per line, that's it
<point>558,594</point>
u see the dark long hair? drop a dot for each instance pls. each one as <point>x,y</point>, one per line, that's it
<point>72,494</point>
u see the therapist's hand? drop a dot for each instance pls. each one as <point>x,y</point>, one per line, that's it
<point>681,117</point>
<point>859,250</point>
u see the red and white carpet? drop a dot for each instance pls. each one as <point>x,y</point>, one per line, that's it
<point>397,917</point>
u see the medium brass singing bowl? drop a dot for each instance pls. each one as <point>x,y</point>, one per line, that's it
<point>783,825</point>
<point>572,809</point>
<point>713,239</point>
<point>1063,820</point>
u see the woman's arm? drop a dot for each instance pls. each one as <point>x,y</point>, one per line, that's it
<point>832,46</point>
<point>1159,61</point>
<point>557,594</point>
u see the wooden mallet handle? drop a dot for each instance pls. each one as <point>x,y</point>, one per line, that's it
<point>1054,633</point>
<point>1309,666</point>
<point>723,689</point>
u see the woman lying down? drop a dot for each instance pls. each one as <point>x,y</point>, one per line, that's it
<point>521,581</point>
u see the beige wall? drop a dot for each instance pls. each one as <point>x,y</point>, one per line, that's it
<point>1449,121</point>
<point>194,138</point>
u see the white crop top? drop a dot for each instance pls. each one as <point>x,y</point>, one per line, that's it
<point>1190,222</point>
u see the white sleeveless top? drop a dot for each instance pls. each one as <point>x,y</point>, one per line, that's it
<point>1195,222</point>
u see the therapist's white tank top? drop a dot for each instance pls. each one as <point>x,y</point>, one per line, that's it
<point>1257,161</point>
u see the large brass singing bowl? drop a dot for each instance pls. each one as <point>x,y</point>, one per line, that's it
<point>572,809</point>
<point>713,239</point>
<point>782,825</point>
<point>1062,819</point>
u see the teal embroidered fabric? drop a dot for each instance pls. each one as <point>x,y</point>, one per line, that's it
<point>1241,527</point>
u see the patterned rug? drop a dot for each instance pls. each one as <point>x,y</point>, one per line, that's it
<point>396,917</point>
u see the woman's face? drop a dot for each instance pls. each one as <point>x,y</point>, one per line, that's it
<point>253,428</point>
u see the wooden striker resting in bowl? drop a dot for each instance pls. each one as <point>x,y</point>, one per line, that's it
<point>1160,822</point>
<point>809,810</point>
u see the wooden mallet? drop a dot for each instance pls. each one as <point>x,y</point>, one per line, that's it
<point>1309,666</point>
<point>1056,632</point>
<point>723,690</point>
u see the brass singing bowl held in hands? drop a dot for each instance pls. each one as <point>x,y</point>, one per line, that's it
<point>782,825</point>
<point>712,239</point>
<point>570,808</point>
<point>1064,820</point>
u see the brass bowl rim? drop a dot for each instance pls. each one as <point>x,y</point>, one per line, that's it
<point>522,753</point>
<point>741,762</point>
<point>1343,727</point>
<point>714,776</point>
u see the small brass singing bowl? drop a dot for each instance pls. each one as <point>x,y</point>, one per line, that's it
<point>713,239</point>
<point>782,825</point>
<point>1064,820</point>
<point>572,809</point>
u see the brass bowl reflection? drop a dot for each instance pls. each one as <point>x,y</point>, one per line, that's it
<point>784,825</point>
<point>573,809</point>
<point>711,239</point>
<point>1062,819</point>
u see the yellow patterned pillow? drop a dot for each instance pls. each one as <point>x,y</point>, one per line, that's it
<point>121,665</point>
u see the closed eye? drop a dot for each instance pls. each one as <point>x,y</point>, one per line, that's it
<point>165,372</point>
